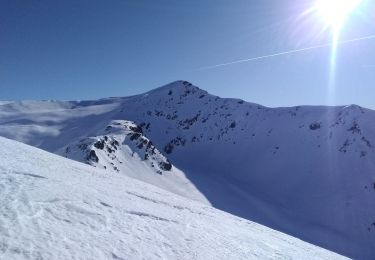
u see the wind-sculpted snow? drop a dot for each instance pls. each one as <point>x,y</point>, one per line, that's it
<point>306,171</point>
<point>55,208</point>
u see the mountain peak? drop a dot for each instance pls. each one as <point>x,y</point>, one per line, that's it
<point>178,86</point>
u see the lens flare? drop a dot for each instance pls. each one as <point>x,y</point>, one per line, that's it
<point>335,12</point>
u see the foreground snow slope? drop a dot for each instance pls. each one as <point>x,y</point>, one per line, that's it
<point>306,171</point>
<point>55,208</point>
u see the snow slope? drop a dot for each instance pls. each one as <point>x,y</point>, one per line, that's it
<point>306,171</point>
<point>84,131</point>
<point>55,208</point>
<point>123,148</point>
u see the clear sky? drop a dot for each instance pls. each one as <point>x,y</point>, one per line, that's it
<point>86,49</point>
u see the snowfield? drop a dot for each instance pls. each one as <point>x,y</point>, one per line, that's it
<point>55,208</point>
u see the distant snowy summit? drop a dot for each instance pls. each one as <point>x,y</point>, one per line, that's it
<point>308,171</point>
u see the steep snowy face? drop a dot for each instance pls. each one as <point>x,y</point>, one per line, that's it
<point>54,208</point>
<point>307,171</point>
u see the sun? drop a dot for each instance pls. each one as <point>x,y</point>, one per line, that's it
<point>335,12</point>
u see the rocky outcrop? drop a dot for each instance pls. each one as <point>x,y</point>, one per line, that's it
<point>120,140</point>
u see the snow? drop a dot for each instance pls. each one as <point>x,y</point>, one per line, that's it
<point>55,208</point>
<point>306,171</point>
<point>122,148</point>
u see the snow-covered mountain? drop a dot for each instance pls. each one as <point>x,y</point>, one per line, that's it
<point>106,150</point>
<point>55,208</point>
<point>306,171</point>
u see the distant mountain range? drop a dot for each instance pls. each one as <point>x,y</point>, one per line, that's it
<point>306,171</point>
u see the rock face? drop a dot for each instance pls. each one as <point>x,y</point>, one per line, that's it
<point>307,171</point>
<point>120,140</point>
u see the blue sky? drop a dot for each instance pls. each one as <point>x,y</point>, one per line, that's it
<point>90,49</point>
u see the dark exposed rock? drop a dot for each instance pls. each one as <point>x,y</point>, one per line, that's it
<point>159,113</point>
<point>166,166</point>
<point>367,142</point>
<point>82,146</point>
<point>189,121</point>
<point>92,156</point>
<point>135,136</point>
<point>168,148</point>
<point>99,144</point>
<point>315,126</point>
<point>136,129</point>
<point>187,83</point>
<point>344,147</point>
<point>355,128</point>
<point>178,141</point>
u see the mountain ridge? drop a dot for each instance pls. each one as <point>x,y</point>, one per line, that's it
<point>305,170</point>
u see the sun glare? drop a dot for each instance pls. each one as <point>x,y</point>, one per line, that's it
<point>335,12</point>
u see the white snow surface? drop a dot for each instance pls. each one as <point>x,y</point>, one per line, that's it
<point>305,171</point>
<point>55,208</point>
<point>120,148</point>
